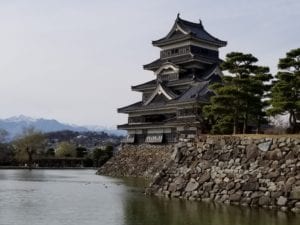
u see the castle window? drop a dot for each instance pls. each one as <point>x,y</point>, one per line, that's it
<point>175,52</point>
<point>169,76</point>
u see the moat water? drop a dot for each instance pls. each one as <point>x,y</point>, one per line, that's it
<point>79,197</point>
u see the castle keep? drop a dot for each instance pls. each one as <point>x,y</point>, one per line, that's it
<point>171,102</point>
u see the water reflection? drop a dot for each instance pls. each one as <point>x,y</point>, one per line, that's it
<point>63,197</point>
<point>153,210</point>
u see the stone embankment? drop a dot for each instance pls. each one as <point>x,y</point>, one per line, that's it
<point>143,160</point>
<point>245,171</point>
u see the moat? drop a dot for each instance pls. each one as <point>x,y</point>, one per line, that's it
<point>60,197</point>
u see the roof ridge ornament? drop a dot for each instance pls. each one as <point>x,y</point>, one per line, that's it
<point>200,22</point>
<point>178,15</point>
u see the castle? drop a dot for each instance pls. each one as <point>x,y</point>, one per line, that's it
<point>171,103</point>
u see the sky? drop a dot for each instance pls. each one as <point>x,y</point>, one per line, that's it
<point>76,60</point>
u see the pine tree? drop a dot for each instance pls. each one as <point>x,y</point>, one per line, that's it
<point>259,90</point>
<point>239,97</point>
<point>285,92</point>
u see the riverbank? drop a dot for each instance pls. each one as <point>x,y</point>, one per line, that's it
<point>249,170</point>
<point>240,170</point>
<point>143,160</point>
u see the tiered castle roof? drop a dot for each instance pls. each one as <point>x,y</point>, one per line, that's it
<point>186,30</point>
<point>188,64</point>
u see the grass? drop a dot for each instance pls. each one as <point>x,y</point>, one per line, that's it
<point>258,135</point>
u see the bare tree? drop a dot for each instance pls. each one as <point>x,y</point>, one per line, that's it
<point>30,143</point>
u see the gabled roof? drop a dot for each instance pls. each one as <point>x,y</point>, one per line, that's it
<point>152,84</point>
<point>197,92</point>
<point>161,89</point>
<point>213,73</point>
<point>183,29</point>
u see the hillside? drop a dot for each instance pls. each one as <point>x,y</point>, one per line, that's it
<point>15,125</point>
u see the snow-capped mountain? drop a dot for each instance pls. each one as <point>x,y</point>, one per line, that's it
<point>16,124</point>
<point>20,118</point>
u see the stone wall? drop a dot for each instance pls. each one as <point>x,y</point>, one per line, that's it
<point>246,171</point>
<point>142,160</point>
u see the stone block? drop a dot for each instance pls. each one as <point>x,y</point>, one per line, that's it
<point>274,155</point>
<point>175,194</point>
<point>250,186</point>
<point>235,197</point>
<point>263,200</point>
<point>290,181</point>
<point>281,201</point>
<point>295,210</point>
<point>295,193</point>
<point>297,205</point>
<point>192,185</point>
<point>272,175</point>
<point>282,144</point>
<point>208,186</point>
<point>265,146</point>
<point>204,178</point>
<point>172,187</point>
<point>252,151</point>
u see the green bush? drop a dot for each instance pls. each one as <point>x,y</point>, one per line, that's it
<point>100,156</point>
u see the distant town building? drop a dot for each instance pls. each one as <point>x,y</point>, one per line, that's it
<point>171,103</point>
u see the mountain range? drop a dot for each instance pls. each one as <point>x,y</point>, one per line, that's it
<point>15,125</point>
